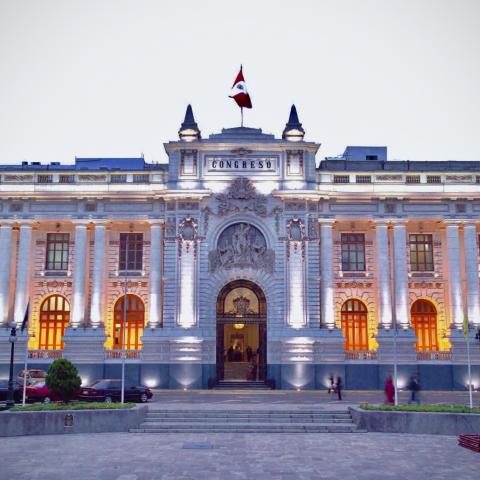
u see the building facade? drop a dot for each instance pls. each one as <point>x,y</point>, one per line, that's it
<point>244,257</point>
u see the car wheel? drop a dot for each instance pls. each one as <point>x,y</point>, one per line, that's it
<point>108,399</point>
<point>144,398</point>
<point>47,400</point>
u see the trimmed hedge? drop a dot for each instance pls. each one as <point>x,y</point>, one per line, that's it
<point>421,408</point>
<point>39,407</point>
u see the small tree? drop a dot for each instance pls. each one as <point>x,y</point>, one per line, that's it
<point>62,379</point>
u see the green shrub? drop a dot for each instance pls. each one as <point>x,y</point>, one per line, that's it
<point>421,408</point>
<point>42,407</point>
<point>62,379</point>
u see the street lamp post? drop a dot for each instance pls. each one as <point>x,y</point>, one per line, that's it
<point>10,396</point>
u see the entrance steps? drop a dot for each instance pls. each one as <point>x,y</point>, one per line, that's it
<point>160,420</point>
<point>241,385</point>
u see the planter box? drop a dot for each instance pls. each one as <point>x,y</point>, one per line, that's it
<point>70,421</point>
<point>416,422</point>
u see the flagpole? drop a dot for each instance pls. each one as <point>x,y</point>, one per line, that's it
<point>241,113</point>
<point>25,367</point>
<point>469,370</point>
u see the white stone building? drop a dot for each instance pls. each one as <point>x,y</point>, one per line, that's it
<point>244,257</point>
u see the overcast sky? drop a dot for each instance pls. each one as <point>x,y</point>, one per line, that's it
<point>113,77</point>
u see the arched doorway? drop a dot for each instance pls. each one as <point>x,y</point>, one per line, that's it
<point>354,325</point>
<point>135,321</point>
<point>54,318</point>
<point>424,321</point>
<point>241,332</point>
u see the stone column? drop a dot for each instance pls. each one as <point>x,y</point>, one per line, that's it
<point>23,273</point>
<point>455,275</point>
<point>5,280</point>
<point>471,272</point>
<point>79,280</point>
<point>400,274</point>
<point>156,254</point>
<point>383,266</point>
<point>326,272</point>
<point>98,274</point>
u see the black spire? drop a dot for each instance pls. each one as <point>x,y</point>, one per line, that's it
<point>189,128</point>
<point>294,126</point>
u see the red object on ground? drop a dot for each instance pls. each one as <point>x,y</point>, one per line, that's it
<point>471,442</point>
<point>39,392</point>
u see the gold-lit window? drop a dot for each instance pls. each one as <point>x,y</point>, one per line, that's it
<point>133,318</point>
<point>54,318</point>
<point>424,321</point>
<point>354,325</point>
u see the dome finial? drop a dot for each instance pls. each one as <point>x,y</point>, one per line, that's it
<point>189,130</point>
<point>293,131</point>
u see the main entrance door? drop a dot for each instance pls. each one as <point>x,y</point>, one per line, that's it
<point>241,332</point>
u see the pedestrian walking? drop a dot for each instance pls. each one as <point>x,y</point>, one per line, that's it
<point>331,384</point>
<point>389,391</point>
<point>339,387</point>
<point>414,387</point>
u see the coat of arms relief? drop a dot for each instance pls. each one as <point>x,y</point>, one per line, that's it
<point>241,197</point>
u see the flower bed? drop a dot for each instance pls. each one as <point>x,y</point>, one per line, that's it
<point>41,407</point>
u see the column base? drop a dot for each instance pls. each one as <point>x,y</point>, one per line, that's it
<point>84,345</point>
<point>405,340</point>
<point>459,346</point>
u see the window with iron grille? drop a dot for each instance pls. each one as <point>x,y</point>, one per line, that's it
<point>421,252</point>
<point>477,178</point>
<point>353,252</point>
<point>341,179</point>
<point>67,178</point>
<point>141,178</point>
<point>45,178</point>
<point>57,251</point>
<point>363,179</point>
<point>131,251</point>
<point>412,179</point>
<point>118,178</point>
<point>434,179</point>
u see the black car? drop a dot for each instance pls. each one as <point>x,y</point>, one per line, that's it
<point>17,391</point>
<point>108,390</point>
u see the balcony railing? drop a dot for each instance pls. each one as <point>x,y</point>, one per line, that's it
<point>117,354</point>
<point>45,354</point>
<point>361,355</point>
<point>445,356</point>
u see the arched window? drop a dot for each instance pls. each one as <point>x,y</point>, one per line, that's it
<point>54,318</point>
<point>424,321</point>
<point>135,321</point>
<point>354,325</point>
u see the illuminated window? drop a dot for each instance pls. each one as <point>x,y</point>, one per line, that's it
<point>424,321</point>
<point>353,252</point>
<point>57,251</point>
<point>131,251</point>
<point>421,253</point>
<point>354,325</point>
<point>54,318</point>
<point>134,319</point>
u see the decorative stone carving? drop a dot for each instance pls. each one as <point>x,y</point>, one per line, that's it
<point>241,245</point>
<point>388,178</point>
<point>92,178</point>
<point>295,230</point>
<point>171,226</point>
<point>187,206</point>
<point>241,197</point>
<point>312,228</point>
<point>241,306</point>
<point>459,178</point>
<point>294,206</point>
<point>187,234</point>
<point>18,178</point>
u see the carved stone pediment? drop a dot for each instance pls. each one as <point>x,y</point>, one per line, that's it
<point>241,245</point>
<point>241,196</point>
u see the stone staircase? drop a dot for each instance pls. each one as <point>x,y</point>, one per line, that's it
<point>241,385</point>
<point>248,420</point>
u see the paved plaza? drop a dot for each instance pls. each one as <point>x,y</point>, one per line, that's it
<point>124,456</point>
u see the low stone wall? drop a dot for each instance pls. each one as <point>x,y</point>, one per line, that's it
<point>70,421</point>
<point>416,422</point>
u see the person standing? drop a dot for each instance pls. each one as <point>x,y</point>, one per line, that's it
<point>339,387</point>
<point>389,391</point>
<point>414,387</point>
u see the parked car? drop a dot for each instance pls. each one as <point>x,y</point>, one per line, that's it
<point>17,391</point>
<point>39,392</point>
<point>109,390</point>
<point>34,375</point>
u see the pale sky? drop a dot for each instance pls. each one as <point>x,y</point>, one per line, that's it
<point>113,77</point>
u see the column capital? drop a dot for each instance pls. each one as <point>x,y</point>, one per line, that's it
<point>158,222</point>
<point>470,224</point>
<point>328,222</point>
<point>453,223</point>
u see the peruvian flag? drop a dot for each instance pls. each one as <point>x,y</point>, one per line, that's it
<point>239,91</point>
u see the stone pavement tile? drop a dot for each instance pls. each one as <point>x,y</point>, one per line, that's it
<point>120,456</point>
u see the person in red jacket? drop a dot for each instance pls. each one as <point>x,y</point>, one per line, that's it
<point>389,391</point>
